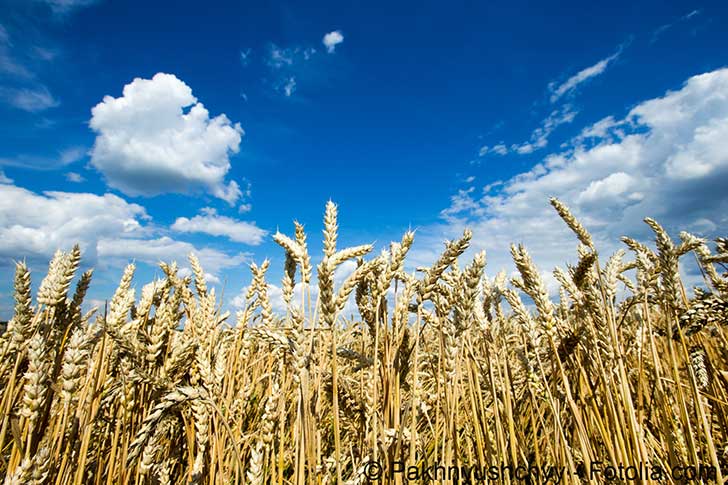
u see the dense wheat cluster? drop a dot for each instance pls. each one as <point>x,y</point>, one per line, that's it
<point>445,366</point>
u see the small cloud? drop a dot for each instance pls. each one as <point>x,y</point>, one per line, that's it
<point>690,15</point>
<point>332,39</point>
<point>4,179</point>
<point>280,57</point>
<point>245,56</point>
<point>72,155</point>
<point>308,53</point>
<point>27,99</point>
<point>45,123</point>
<point>289,87</point>
<point>4,36</point>
<point>74,177</point>
<point>499,149</point>
<point>209,222</point>
<point>43,53</point>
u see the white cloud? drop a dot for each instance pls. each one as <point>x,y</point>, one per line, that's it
<point>582,76</point>
<point>664,28</point>
<point>209,278</point>
<point>66,6</point>
<point>459,203</point>
<point>210,222</point>
<point>308,53</point>
<point>332,39</point>
<point>499,149</point>
<point>280,57</point>
<point>34,162</point>
<point>539,137</point>
<point>288,65</point>
<point>110,230</point>
<point>153,251</point>
<point>290,86</point>
<point>74,177</point>
<point>32,100</point>
<point>4,179</point>
<point>667,159</point>
<point>43,53</point>
<point>35,225</point>
<point>611,187</point>
<point>245,56</point>
<point>72,155</point>
<point>10,66</point>
<point>158,138</point>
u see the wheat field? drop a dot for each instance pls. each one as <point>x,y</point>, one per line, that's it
<point>447,376</point>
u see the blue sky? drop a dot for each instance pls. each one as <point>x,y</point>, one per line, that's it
<point>213,128</point>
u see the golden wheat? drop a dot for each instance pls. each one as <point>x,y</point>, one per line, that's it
<point>624,370</point>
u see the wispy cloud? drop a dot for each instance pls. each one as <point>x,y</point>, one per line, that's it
<point>279,56</point>
<point>557,91</point>
<point>74,177</point>
<point>664,28</point>
<point>245,56</point>
<point>32,100</point>
<point>288,65</point>
<point>8,64</point>
<point>539,137</point>
<point>63,7</point>
<point>63,158</point>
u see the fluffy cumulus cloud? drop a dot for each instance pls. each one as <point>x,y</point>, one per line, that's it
<point>332,39</point>
<point>36,225</point>
<point>210,222</point>
<point>110,230</point>
<point>667,159</point>
<point>158,138</point>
